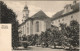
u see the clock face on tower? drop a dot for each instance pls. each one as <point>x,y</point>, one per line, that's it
<point>25,13</point>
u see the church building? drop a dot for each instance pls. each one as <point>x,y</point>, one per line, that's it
<point>35,24</point>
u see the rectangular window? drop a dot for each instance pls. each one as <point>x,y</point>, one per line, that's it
<point>59,20</point>
<point>62,19</point>
<point>71,16</point>
<point>52,22</point>
<point>23,30</point>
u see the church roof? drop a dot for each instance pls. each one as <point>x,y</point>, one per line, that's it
<point>60,13</point>
<point>40,15</point>
<point>57,14</point>
<point>25,21</point>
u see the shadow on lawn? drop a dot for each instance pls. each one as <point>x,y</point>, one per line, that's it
<point>28,48</point>
<point>72,50</point>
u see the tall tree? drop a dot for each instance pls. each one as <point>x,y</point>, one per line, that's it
<point>74,32</point>
<point>8,16</point>
<point>70,34</point>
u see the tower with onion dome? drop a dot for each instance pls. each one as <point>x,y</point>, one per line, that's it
<point>25,13</point>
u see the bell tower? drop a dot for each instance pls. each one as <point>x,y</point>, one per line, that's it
<point>25,13</point>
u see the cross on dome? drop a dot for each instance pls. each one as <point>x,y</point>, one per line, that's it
<point>26,7</point>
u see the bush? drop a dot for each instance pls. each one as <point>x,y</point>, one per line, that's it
<point>25,45</point>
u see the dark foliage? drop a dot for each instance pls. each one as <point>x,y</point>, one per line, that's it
<point>8,16</point>
<point>25,45</point>
<point>70,34</point>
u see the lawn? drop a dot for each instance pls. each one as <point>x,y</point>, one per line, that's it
<point>72,50</point>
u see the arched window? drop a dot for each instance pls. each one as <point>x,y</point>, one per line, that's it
<point>37,26</point>
<point>27,29</point>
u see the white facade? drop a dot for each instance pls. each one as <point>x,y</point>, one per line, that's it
<point>66,19</point>
<point>69,17</point>
<point>42,26</point>
<point>34,25</point>
<point>30,27</point>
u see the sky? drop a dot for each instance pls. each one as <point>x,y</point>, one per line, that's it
<point>48,7</point>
